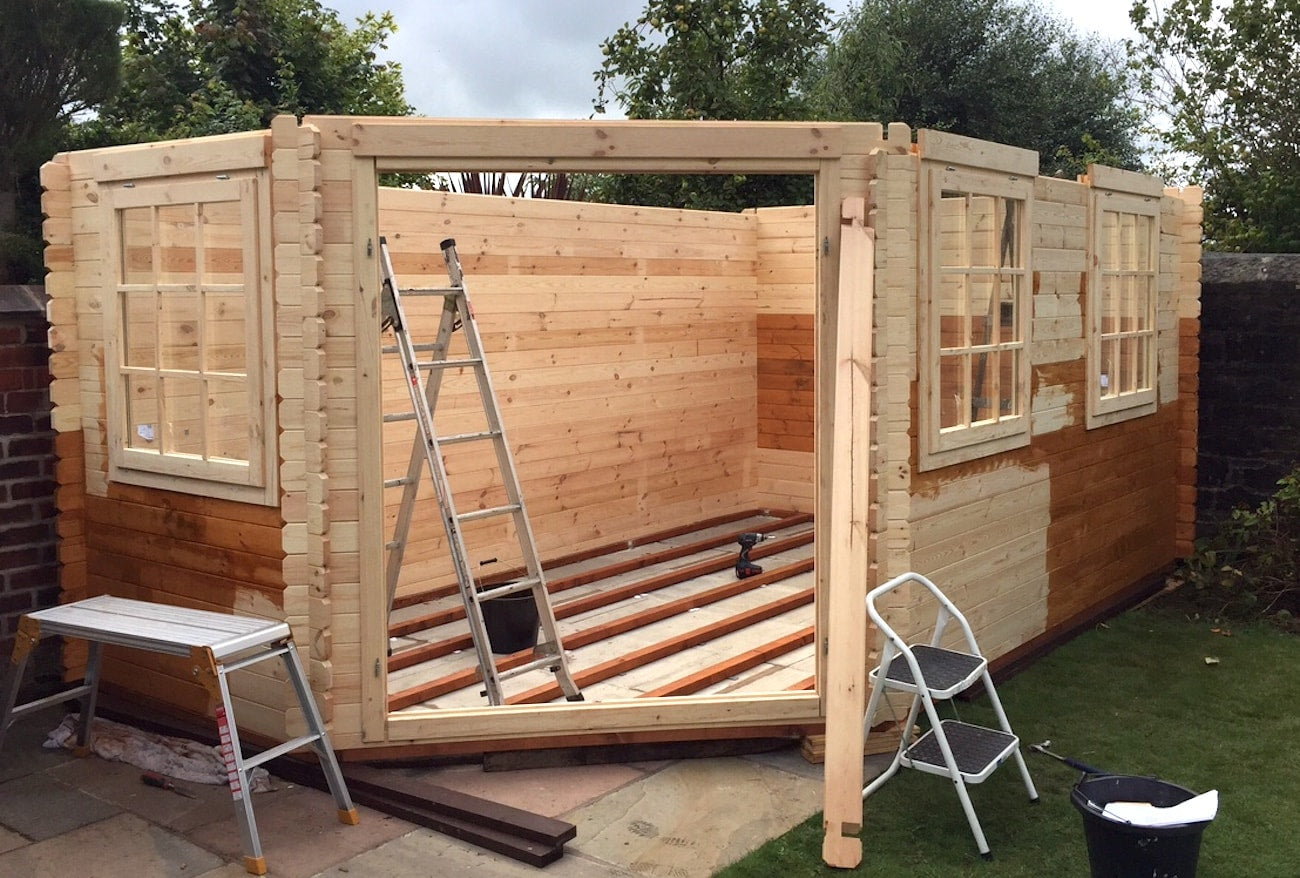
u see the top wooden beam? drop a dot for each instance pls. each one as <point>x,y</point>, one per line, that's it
<point>1118,180</point>
<point>175,158</point>
<point>940,146</point>
<point>690,146</point>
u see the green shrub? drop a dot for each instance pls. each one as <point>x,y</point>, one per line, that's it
<point>1248,569</point>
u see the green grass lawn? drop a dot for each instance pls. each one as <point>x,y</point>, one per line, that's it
<point>1135,696</point>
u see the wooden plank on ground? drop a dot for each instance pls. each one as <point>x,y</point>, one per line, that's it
<point>720,671</point>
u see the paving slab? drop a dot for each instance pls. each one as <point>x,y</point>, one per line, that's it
<point>119,784</point>
<point>40,807</point>
<point>9,840</point>
<point>547,791</point>
<point>422,854</point>
<point>122,846</point>
<point>694,817</point>
<point>300,832</point>
<point>22,753</point>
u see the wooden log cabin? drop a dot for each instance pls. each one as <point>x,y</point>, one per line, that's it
<point>945,363</point>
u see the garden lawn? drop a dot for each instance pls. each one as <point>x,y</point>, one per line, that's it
<point>1133,696</point>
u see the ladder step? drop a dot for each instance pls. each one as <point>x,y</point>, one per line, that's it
<point>945,671</point>
<point>397,483</point>
<point>488,513</point>
<point>976,749</point>
<point>422,348</point>
<point>509,588</point>
<point>468,437</point>
<point>399,416</point>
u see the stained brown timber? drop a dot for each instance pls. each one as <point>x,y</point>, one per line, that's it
<point>720,671</point>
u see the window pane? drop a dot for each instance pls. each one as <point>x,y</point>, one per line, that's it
<point>229,433</point>
<point>142,412</point>
<point>954,233</point>
<point>136,230</point>
<point>224,328</point>
<point>984,373</point>
<point>1143,257</point>
<point>983,311</point>
<point>1108,385</point>
<point>139,329</point>
<point>222,230</point>
<point>1110,285</point>
<point>1008,399</point>
<point>178,331</point>
<point>985,226</point>
<point>1009,308</point>
<point>1009,235</point>
<point>953,405</point>
<point>183,408</point>
<point>177,239</point>
<point>1109,256</point>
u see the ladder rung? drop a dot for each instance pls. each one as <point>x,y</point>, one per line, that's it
<point>397,483</point>
<point>432,291</point>
<point>399,416</point>
<point>509,588</point>
<point>450,364</point>
<point>547,662</point>
<point>421,348</point>
<point>488,513</point>
<point>468,437</point>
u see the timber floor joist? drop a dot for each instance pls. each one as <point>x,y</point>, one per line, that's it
<point>659,616</point>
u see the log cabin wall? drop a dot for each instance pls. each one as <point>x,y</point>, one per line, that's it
<point>786,272</point>
<point>142,540</point>
<point>621,342</point>
<point>1033,541</point>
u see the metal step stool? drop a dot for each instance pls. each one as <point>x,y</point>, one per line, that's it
<point>964,753</point>
<point>217,644</point>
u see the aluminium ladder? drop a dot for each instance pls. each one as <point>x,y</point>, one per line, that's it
<point>962,752</point>
<point>424,381</point>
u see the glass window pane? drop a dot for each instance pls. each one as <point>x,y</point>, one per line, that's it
<point>221,227</point>
<point>953,331</point>
<point>177,240</point>
<point>985,231</point>
<point>1143,259</point>
<point>1109,240</point>
<point>178,331</point>
<point>183,406</point>
<point>225,344</point>
<point>1009,233</point>
<point>954,233</point>
<point>1009,308</point>
<point>1110,304</point>
<point>136,231</point>
<point>984,373</point>
<point>142,412</point>
<point>1008,398</point>
<point>228,427</point>
<point>1108,386</point>
<point>953,381</point>
<point>983,310</point>
<point>139,329</point>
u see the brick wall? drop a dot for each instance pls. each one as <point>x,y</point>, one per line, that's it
<point>1250,379</point>
<point>28,567</point>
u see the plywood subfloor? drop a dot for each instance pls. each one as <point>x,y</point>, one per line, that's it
<point>670,627</point>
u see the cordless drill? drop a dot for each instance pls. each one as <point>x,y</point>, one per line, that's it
<point>746,568</point>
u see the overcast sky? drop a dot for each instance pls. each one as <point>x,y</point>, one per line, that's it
<point>534,59</point>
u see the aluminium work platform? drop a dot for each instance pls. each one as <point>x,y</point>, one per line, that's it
<point>217,644</point>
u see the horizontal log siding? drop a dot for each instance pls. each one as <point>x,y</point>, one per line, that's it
<point>786,273</point>
<point>621,342</point>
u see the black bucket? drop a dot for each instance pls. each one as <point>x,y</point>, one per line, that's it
<point>1119,850</point>
<point>511,622</point>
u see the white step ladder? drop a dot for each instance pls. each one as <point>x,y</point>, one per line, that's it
<point>424,380</point>
<point>964,753</point>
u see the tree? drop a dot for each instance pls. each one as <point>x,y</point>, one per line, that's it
<point>57,58</point>
<point>232,65</point>
<point>992,69</point>
<point>711,59</point>
<point>1223,79</point>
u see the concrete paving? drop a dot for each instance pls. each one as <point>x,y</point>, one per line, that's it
<point>62,816</point>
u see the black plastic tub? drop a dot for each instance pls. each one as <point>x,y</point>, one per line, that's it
<point>511,622</point>
<point>1120,850</point>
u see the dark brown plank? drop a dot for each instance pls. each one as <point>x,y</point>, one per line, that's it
<point>720,671</point>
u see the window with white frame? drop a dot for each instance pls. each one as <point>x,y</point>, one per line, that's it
<point>189,366</point>
<point>975,314</point>
<point>1122,306</point>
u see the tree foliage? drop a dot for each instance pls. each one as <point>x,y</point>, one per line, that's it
<point>218,66</point>
<point>711,59</point>
<point>998,70</point>
<point>1224,83</point>
<point>57,58</point>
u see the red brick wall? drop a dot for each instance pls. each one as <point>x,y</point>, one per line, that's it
<point>28,541</point>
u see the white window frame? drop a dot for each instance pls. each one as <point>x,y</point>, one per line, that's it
<point>1104,406</point>
<point>940,446</point>
<point>256,479</point>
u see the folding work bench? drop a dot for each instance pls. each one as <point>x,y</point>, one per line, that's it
<point>217,644</point>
